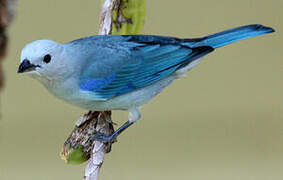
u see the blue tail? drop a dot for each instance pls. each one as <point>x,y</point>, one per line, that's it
<point>229,36</point>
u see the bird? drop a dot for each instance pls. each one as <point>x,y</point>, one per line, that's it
<point>120,72</point>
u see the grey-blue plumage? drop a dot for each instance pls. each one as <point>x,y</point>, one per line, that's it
<point>120,72</point>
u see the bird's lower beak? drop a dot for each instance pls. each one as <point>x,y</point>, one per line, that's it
<point>26,66</point>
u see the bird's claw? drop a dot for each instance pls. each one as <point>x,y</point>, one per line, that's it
<point>111,138</point>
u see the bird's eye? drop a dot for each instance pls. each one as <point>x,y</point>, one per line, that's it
<point>47,58</point>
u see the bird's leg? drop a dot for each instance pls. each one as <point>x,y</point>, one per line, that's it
<point>134,116</point>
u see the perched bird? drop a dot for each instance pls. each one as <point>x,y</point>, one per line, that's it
<point>113,72</point>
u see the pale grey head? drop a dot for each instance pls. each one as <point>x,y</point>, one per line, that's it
<point>43,59</point>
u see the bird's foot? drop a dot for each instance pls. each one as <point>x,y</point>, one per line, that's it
<point>111,138</point>
<point>105,138</point>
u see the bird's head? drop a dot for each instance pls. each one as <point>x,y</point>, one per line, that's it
<point>43,59</point>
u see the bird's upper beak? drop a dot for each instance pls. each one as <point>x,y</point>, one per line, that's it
<point>26,66</point>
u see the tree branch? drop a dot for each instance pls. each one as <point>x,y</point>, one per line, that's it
<point>99,149</point>
<point>103,124</point>
<point>106,18</point>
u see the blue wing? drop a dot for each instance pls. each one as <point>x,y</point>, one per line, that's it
<point>148,61</point>
<point>123,64</point>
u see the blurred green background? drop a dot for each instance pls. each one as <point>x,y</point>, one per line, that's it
<point>224,120</point>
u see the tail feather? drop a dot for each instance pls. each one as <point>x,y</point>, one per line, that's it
<point>229,36</point>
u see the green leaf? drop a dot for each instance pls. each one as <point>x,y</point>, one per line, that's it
<point>129,18</point>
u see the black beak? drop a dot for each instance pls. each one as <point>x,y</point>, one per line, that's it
<point>26,66</point>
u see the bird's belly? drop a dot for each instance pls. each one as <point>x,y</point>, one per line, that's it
<point>123,102</point>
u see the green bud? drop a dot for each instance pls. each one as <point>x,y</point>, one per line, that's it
<point>74,156</point>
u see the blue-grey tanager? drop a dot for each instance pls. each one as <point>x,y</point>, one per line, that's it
<point>113,72</point>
